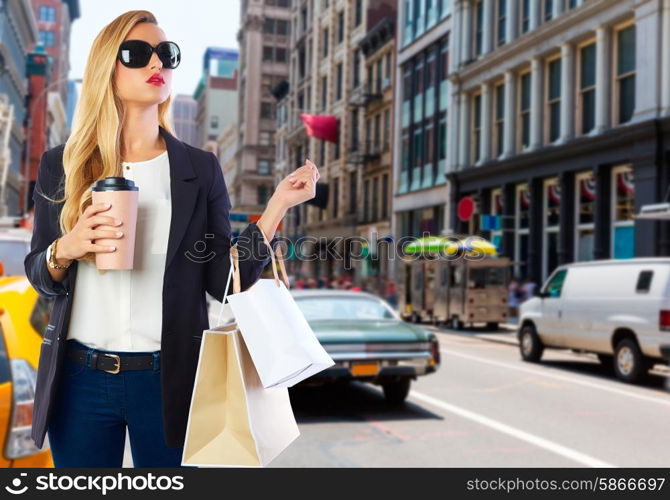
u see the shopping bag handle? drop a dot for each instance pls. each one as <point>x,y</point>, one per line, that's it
<point>279,257</point>
<point>234,273</point>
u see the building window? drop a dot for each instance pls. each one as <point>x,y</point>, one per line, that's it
<point>378,82</point>
<point>375,198</point>
<point>356,68</point>
<point>353,195</point>
<point>501,30</point>
<point>418,89</point>
<point>403,181</point>
<point>354,130</point>
<point>548,9</point>
<point>553,100</point>
<point>280,55</point>
<point>325,42</point>
<point>366,200</point>
<point>268,53</point>
<point>340,27</point>
<point>475,153</point>
<point>214,121</point>
<point>478,29</point>
<point>262,193</point>
<point>570,4</point>
<point>418,18</point>
<point>387,129</point>
<point>444,73</point>
<point>267,111</point>
<point>47,38</point>
<point>499,106</point>
<point>429,141</point>
<point>324,93</point>
<point>552,217</point>
<point>336,197</point>
<point>442,140</point>
<point>263,167</point>
<point>304,18</point>
<point>585,196</point>
<point>302,64</point>
<point>418,158</point>
<point>623,210</point>
<point>624,84</point>
<point>47,14</point>
<point>525,15</point>
<point>265,138</point>
<point>387,66</point>
<point>275,26</point>
<point>524,111</point>
<point>338,83</point>
<point>408,27</point>
<point>521,229</point>
<point>587,88</point>
<point>358,13</point>
<point>431,79</point>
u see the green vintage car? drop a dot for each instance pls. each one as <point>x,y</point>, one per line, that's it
<point>368,341</point>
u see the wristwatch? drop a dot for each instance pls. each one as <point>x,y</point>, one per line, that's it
<point>51,257</point>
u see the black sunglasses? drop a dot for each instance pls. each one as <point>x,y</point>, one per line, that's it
<point>137,53</point>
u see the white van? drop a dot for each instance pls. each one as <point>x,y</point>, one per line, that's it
<point>617,309</point>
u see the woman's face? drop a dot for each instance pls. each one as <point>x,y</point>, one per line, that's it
<point>131,83</point>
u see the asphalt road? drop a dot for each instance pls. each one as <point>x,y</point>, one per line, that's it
<point>487,408</point>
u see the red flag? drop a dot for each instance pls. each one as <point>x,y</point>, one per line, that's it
<point>321,126</point>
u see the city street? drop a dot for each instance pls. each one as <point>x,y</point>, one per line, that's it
<point>485,407</point>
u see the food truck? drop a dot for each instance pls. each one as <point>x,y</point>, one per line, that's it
<point>456,283</point>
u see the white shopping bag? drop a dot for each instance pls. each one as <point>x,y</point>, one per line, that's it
<point>281,343</point>
<point>233,420</point>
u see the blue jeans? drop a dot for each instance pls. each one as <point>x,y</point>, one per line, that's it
<point>87,426</point>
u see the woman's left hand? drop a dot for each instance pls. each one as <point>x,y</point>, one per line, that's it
<point>299,186</point>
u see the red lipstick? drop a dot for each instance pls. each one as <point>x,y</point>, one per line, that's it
<point>156,79</point>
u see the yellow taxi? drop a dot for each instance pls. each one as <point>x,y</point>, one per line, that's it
<point>24,315</point>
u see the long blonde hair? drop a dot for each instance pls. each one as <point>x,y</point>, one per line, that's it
<point>93,149</point>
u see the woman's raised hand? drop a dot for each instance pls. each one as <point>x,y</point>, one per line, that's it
<point>299,186</point>
<point>79,241</point>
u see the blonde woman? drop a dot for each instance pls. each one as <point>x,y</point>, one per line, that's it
<point>121,348</point>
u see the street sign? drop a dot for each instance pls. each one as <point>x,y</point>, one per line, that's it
<point>489,222</point>
<point>466,208</point>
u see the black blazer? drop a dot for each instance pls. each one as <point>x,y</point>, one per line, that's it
<point>200,206</point>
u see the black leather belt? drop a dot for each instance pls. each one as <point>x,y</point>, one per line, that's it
<point>112,363</point>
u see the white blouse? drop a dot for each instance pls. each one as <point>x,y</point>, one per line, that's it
<point>122,310</point>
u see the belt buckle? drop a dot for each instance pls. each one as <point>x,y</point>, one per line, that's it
<point>117,368</point>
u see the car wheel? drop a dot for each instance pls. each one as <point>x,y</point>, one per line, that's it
<point>630,365</point>
<point>492,325</point>
<point>456,323</point>
<point>396,392</point>
<point>530,344</point>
